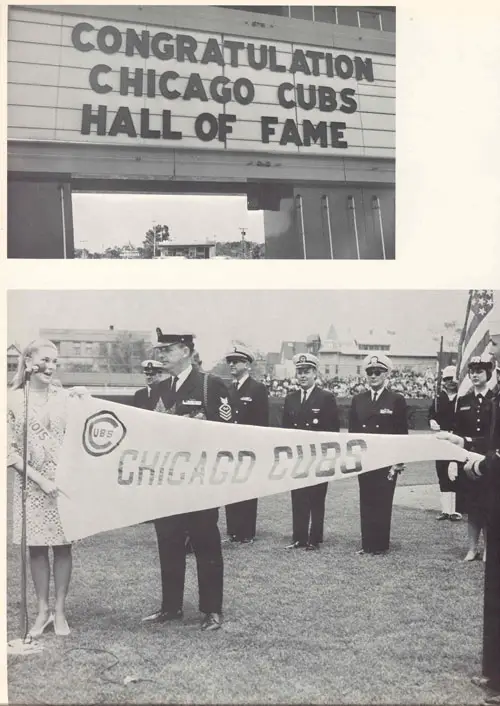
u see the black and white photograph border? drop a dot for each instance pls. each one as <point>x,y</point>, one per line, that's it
<point>329,596</point>
<point>201,132</point>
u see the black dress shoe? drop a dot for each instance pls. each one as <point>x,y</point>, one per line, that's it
<point>211,621</point>
<point>163,616</point>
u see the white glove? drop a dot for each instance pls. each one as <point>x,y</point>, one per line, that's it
<point>394,470</point>
<point>471,467</point>
<point>452,470</point>
<point>434,425</point>
<point>453,438</point>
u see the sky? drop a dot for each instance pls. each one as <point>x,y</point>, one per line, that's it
<point>104,220</point>
<point>261,319</point>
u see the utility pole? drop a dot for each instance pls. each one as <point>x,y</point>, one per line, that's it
<point>243,232</point>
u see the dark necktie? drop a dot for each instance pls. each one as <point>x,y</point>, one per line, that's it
<point>304,398</point>
<point>174,384</point>
<point>374,397</point>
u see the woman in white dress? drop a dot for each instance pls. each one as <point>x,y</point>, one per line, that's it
<point>46,427</point>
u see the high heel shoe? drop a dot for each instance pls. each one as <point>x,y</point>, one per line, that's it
<point>61,630</point>
<point>37,632</point>
<point>471,556</point>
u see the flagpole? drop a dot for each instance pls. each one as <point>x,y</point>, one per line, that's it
<point>439,375</point>
<point>462,335</point>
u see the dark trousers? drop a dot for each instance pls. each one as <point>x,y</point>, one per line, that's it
<point>376,494</point>
<point>491,624</point>
<point>205,539</point>
<point>308,504</point>
<point>241,519</point>
<point>445,484</point>
<point>449,486</point>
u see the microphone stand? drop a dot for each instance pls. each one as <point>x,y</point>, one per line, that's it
<point>24,645</point>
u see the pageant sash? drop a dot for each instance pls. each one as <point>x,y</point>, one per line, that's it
<point>120,465</point>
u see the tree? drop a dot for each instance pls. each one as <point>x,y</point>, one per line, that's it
<point>113,253</point>
<point>233,249</point>
<point>125,353</point>
<point>159,234</point>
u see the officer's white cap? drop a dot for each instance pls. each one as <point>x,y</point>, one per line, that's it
<point>151,365</point>
<point>305,360</point>
<point>450,372</point>
<point>241,352</point>
<point>378,360</point>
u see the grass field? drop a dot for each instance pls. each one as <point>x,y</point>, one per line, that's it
<point>300,627</point>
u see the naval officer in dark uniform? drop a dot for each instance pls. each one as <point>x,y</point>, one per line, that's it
<point>250,405</point>
<point>442,418</point>
<point>189,393</point>
<point>377,411</point>
<point>488,472</point>
<point>153,372</point>
<point>473,422</point>
<point>313,409</point>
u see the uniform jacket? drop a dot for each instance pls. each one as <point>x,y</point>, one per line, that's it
<point>319,412</point>
<point>143,400</point>
<point>445,414</point>
<point>189,399</point>
<point>388,415</point>
<point>250,403</point>
<point>473,420</point>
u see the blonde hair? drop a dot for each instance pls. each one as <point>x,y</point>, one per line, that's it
<point>19,378</point>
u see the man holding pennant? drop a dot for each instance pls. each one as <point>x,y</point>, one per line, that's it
<point>442,418</point>
<point>250,404</point>
<point>189,393</point>
<point>311,409</point>
<point>377,411</point>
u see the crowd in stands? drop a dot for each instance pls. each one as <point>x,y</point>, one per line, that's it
<point>411,384</point>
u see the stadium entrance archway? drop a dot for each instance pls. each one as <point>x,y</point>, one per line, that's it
<point>306,131</point>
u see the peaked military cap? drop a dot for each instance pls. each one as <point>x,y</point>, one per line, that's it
<point>305,360</point>
<point>151,366</point>
<point>241,353</point>
<point>378,361</point>
<point>450,372</point>
<point>168,339</point>
<point>477,362</point>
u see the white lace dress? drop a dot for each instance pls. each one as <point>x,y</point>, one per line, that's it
<point>43,525</point>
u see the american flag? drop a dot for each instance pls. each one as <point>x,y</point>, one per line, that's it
<point>475,335</point>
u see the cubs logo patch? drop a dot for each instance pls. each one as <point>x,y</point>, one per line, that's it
<point>102,433</point>
<point>225,411</point>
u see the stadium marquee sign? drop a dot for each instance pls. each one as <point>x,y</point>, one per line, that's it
<point>221,90</point>
<point>78,79</point>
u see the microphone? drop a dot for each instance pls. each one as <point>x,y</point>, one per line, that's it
<point>37,368</point>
